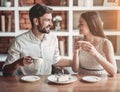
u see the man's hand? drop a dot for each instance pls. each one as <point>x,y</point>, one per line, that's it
<point>25,61</point>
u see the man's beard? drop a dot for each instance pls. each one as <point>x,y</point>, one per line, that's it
<point>43,30</point>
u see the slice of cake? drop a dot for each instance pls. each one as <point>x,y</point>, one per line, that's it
<point>63,78</point>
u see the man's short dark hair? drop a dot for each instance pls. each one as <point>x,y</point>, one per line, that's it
<point>39,10</point>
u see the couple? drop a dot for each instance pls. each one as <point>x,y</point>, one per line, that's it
<point>94,55</point>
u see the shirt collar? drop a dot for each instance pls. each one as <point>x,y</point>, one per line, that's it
<point>33,37</point>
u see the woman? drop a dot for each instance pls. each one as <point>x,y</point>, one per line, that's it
<point>93,55</point>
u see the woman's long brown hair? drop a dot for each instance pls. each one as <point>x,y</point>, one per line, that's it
<point>94,23</point>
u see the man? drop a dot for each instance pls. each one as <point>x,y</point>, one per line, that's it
<point>37,42</point>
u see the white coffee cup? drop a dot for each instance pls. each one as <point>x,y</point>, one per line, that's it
<point>37,61</point>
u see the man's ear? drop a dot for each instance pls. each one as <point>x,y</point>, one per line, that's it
<point>35,21</point>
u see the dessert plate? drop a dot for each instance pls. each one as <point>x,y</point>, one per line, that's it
<point>30,78</point>
<point>91,78</point>
<point>53,79</point>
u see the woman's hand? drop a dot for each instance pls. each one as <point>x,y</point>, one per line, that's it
<point>86,46</point>
<point>77,45</point>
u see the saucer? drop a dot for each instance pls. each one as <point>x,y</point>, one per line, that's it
<point>91,78</point>
<point>30,78</point>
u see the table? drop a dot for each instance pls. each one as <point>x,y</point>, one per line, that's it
<point>14,84</point>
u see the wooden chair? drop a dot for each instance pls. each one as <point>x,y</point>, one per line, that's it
<point>1,64</point>
<point>59,70</point>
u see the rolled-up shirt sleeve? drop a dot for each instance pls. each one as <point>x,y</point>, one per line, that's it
<point>13,53</point>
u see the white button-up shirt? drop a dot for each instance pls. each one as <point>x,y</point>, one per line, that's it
<point>27,44</point>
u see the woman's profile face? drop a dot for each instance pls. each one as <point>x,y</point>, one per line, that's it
<point>83,27</point>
